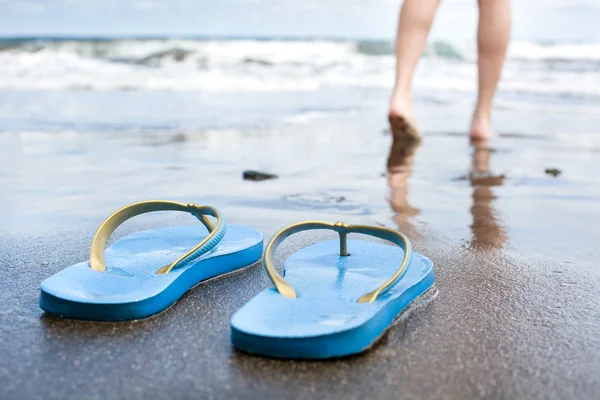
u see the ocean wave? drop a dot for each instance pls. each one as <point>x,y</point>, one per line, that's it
<point>283,65</point>
<point>140,49</point>
<point>573,52</point>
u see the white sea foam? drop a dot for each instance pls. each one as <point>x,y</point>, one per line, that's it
<point>569,52</point>
<point>280,65</point>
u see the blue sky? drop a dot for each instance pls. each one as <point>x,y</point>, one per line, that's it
<point>565,20</point>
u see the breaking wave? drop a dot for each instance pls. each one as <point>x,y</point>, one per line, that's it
<point>283,65</point>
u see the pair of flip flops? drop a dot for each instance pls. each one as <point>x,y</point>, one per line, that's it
<point>337,297</point>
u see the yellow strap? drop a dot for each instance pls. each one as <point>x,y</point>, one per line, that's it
<point>118,217</point>
<point>286,290</point>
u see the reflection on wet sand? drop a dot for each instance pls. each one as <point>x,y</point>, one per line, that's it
<point>399,165</point>
<point>486,227</point>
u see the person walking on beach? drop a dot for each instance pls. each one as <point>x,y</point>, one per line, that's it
<point>493,34</point>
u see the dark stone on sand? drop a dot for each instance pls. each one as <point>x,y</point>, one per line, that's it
<point>553,171</point>
<point>250,175</point>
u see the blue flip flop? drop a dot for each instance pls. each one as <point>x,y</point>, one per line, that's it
<point>146,272</point>
<point>320,310</point>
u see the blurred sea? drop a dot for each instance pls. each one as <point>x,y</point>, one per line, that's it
<point>87,125</point>
<point>561,77</point>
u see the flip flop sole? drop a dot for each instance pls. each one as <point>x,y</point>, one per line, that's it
<point>131,289</point>
<point>325,321</point>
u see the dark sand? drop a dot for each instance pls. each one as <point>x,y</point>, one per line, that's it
<point>514,249</point>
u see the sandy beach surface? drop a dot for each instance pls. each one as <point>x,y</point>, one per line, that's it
<point>514,246</point>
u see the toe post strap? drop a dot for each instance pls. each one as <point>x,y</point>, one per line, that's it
<point>106,229</point>
<point>343,229</point>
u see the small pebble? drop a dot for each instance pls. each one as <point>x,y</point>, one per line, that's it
<point>44,263</point>
<point>553,171</point>
<point>249,175</point>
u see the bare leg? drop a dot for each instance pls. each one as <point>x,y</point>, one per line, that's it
<point>416,17</point>
<point>493,35</point>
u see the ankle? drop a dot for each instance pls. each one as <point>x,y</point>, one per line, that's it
<point>402,92</point>
<point>401,103</point>
<point>482,116</point>
<point>481,125</point>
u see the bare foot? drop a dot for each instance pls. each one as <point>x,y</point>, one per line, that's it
<point>401,119</point>
<point>481,128</point>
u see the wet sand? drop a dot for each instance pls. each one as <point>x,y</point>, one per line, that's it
<point>515,260</point>
<point>502,326</point>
